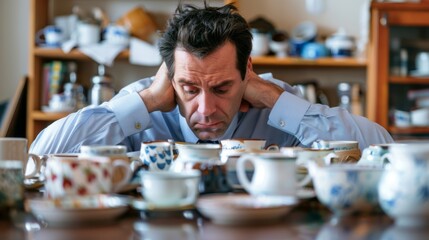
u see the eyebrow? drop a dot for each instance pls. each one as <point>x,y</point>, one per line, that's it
<point>189,82</point>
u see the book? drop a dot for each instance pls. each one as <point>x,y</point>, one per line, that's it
<point>53,78</point>
<point>420,93</point>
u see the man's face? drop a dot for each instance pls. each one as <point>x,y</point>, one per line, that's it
<point>209,90</point>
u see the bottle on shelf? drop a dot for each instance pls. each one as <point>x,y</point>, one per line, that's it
<point>344,93</point>
<point>73,92</point>
<point>102,89</point>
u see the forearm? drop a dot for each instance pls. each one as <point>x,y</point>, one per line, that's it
<point>311,122</point>
<point>107,124</point>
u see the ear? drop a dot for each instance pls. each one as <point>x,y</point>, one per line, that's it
<point>249,67</point>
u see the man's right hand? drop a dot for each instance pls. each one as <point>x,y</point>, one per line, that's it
<point>160,95</point>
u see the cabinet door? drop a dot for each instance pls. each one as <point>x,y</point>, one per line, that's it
<point>399,38</point>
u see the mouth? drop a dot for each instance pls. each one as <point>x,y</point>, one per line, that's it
<point>208,126</point>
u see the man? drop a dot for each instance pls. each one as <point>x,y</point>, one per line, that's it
<point>206,90</point>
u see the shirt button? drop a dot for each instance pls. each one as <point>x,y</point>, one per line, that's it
<point>282,123</point>
<point>137,125</point>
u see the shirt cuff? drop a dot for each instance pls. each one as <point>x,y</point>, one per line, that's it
<point>288,112</point>
<point>131,113</point>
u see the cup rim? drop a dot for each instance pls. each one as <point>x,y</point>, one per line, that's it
<point>198,146</point>
<point>170,174</point>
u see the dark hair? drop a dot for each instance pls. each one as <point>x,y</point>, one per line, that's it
<point>200,31</point>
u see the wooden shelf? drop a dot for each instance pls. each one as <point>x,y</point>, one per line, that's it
<point>321,62</point>
<point>74,54</point>
<point>408,130</point>
<point>43,116</point>
<point>409,80</point>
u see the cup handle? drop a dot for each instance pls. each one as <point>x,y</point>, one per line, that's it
<point>119,163</point>
<point>191,192</point>
<point>328,158</point>
<point>39,35</point>
<point>385,160</point>
<point>241,171</point>
<point>273,147</point>
<point>37,165</point>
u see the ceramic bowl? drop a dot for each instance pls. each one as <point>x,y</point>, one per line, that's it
<point>346,188</point>
<point>404,192</point>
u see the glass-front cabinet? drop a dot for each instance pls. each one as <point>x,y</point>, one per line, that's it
<point>398,68</point>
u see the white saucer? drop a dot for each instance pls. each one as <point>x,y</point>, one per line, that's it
<point>78,210</point>
<point>141,205</point>
<point>239,209</point>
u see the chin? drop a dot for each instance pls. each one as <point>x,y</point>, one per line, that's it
<point>209,135</point>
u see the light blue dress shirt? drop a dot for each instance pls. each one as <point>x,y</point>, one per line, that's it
<point>125,120</point>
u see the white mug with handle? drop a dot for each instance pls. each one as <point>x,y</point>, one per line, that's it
<point>274,174</point>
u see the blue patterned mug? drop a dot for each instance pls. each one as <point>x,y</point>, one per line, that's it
<point>158,156</point>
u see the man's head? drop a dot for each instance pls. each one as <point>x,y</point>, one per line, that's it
<point>207,55</point>
<point>201,31</point>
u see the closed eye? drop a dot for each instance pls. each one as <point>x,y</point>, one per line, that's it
<point>189,89</point>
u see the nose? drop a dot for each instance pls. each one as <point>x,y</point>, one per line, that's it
<point>206,104</point>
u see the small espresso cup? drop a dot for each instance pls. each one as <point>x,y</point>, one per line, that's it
<point>158,156</point>
<point>80,176</point>
<point>50,36</point>
<point>16,149</point>
<point>11,183</point>
<point>170,189</point>
<point>347,151</point>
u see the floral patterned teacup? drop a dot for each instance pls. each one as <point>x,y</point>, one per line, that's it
<point>79,176</point>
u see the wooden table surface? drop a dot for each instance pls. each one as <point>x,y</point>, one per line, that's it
<point>309,220</point>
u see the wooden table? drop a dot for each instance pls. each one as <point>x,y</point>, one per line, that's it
<point>309,220</point>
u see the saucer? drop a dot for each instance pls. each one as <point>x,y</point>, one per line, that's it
<point>78,210</point>
<point>33,184</point>
<point>141,205</point>
<point>306,193</point>
<point>241,209</point>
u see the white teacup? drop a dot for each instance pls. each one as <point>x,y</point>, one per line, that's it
<point>232,149</point>
<point>16,149</point>
<point>274,174</point>
<point>170,189</point>
<point>245,145</point>
<point>346,188</point>
<point>51,36</point>
<point>117,35</point>
<point>347,151</point>
<point>373,155</point>
<point>113,152</point>
<point>403,188</point>
<point>79,176</point>
<point>322,157</point>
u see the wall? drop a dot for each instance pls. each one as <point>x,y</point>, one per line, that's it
<point>285,14</point>
<point>14,17</point>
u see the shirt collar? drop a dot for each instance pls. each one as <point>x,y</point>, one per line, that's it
<point>189,136</point>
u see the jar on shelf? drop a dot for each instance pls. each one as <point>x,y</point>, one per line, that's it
<point>102,89</point>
